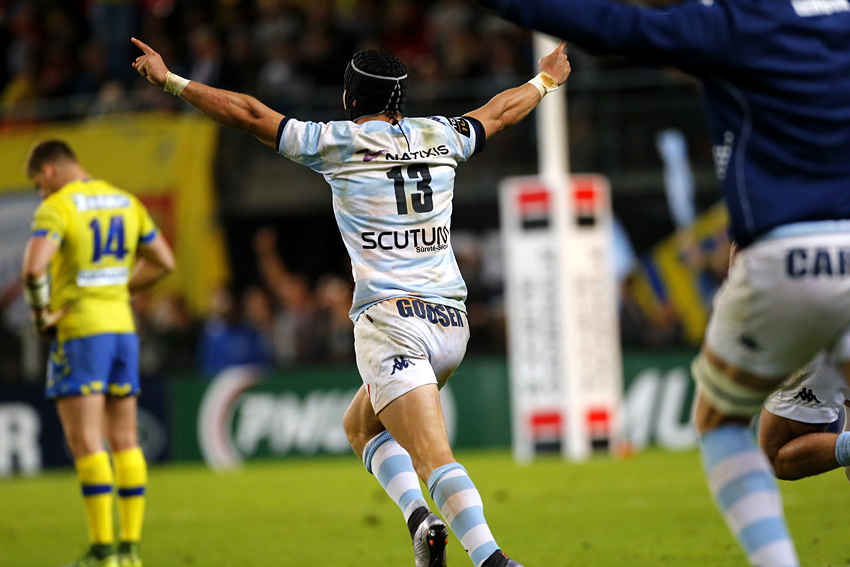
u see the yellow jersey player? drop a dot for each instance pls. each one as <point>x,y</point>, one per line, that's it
<point>98,244</point>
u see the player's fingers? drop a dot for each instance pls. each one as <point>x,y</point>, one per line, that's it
<point>143,46</point>
<point>561,46</point>
<point>53,318</point>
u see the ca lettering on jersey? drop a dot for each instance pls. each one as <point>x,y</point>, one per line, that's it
<point>817,263</point>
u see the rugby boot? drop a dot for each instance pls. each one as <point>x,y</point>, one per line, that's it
<point>429,542</point>
<point>499,559</point>
<point>92,559</point>
<point>128,554</point>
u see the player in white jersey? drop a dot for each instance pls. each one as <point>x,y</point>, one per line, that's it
<point>392,180</point>
<point>795,424</point>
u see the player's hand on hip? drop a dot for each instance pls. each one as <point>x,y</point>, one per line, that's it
<point>45,320</point>
<point>150,64</point>
<point>556,64</point>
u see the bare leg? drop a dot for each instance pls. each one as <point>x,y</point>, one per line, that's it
<point>131,473</point>
<point>121,427</point>
<point>416,421</point>
<point>795,449</point>
<point>82,419</point>
<point>360,422</point>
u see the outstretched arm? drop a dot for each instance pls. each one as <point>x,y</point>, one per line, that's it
<point>511,106</point>
<point>233,110</point>
<point>689,34</point>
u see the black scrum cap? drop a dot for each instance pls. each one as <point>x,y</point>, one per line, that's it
<point>377,81</point>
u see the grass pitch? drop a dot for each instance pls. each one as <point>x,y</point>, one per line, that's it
<point>652,510</point>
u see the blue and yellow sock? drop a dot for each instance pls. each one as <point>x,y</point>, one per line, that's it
<point>131,475</point>
<point>391,465</point>
<point>461,507</point>
<point>741,482</point>
<point>95,474</point>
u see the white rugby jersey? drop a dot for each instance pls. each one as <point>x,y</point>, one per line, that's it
<point>392,195</point>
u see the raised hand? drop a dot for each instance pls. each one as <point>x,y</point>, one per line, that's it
<point>556,64</point>
<point>150,64</point>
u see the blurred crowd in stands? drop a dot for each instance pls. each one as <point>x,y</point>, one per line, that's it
<point>282,51</point>
<point>279,50</point>
<point>285,320</point>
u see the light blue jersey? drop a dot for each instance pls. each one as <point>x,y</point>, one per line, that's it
<point>392,195</point>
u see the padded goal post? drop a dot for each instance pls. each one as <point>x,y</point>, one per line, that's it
<point>563,333</point>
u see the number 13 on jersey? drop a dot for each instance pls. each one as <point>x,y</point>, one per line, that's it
<point>423,202</point>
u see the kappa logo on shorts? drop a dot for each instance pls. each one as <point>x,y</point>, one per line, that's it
<point>399,363</point>
<point>443,314</point>
<point>807,395</point>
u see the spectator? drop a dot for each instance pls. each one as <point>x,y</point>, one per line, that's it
<point>335,326</point>
<point>295,337</point>
<point>227,340</point>
<point>206,57</point>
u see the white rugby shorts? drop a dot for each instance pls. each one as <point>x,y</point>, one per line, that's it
<point>785,300</point>
<point>404,343</point>
<point>818,397</point>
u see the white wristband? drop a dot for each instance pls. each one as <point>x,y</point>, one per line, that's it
<point>37,293</point>
<point>544,83</point>
<point>174,84</point>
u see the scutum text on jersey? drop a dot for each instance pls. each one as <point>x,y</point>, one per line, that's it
<point>398,240</point>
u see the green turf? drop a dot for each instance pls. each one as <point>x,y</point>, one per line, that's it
<point>652,510</point>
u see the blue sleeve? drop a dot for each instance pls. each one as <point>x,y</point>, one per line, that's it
<point>693,33</point>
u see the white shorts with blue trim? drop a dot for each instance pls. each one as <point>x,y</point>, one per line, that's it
<point>404,343</point>
<point>785,300</point>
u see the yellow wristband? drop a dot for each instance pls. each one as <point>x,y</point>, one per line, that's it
<point>174,84</point>
<point>544,83</point>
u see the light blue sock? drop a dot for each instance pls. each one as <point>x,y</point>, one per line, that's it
<point>842,449</point>
<point>391,465</point>
<point>461,507</point>
<point>740,479</point>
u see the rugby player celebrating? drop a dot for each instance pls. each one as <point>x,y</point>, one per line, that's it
<point>392,180</point>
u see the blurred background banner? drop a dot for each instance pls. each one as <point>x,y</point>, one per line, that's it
<point>683,272</point>
<point>167,161</point>
<point>246,414</point>
<point>31,436</point>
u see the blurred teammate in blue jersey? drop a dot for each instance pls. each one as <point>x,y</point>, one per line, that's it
<point>776,83</point>
<point>392,182</point>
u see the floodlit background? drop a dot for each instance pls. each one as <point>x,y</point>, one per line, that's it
<point>264,279</point>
